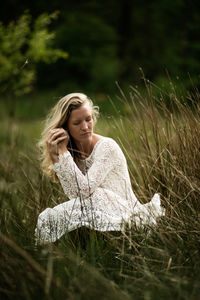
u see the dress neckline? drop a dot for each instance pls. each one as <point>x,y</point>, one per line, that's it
<point>87,158</point>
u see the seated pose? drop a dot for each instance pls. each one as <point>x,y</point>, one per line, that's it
<point>93,173</point>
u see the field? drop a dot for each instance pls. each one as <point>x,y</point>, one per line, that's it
<point>160,137</point>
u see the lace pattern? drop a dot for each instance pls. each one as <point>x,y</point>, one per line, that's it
<point>100,195</point>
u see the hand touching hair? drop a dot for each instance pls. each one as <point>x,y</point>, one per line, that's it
<point>56,120</point>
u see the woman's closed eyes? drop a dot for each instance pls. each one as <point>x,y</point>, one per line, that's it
<point>79,122</point>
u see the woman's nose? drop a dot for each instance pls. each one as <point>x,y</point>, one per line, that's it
<point>84,126</point>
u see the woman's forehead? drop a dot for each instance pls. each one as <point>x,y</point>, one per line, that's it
<point>82,111</point>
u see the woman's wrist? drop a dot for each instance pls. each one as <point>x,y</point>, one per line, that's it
<point>62,151</point>
<point>54,158</point>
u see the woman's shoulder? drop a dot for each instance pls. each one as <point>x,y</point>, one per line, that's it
<point>107,143</point>
<point>105,140</point>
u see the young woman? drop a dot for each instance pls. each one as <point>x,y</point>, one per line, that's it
<point>93,173</point>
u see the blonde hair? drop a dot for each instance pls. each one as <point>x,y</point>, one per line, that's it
<point>57,118</point>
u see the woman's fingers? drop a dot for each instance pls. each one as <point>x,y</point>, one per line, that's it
<point>57,140</point>
<point>60,139</point>
<point>57,131</point>
<point>55,134</point>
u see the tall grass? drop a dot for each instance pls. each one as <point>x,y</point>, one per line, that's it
<point>160,136</point>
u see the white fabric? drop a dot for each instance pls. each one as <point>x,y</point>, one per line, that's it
<point>100,194</point>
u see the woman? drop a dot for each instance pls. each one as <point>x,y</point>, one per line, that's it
<point>93,173</point>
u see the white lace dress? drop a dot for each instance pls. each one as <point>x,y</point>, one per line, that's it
<point>100,194</point>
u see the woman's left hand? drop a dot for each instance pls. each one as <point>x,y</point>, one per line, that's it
<point>57,141</point>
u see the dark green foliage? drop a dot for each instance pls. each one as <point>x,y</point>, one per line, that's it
<point>109,41</point>
<point>25,43</point>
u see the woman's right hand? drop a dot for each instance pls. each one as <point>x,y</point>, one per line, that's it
<point>56,142</point>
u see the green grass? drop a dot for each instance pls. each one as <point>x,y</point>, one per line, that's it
<point>162,146</point>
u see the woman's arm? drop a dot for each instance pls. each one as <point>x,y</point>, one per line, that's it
<point>74,183</point>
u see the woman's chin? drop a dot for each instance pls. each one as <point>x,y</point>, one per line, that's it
<point>84,137</point>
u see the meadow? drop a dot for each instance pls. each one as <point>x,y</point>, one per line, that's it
<point>159,133</point>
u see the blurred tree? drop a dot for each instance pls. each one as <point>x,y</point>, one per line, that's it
<point>110,40</point>
<point>93,62</point>
<point>22,45</point>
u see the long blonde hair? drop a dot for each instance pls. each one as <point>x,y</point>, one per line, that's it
<point>57,118</point>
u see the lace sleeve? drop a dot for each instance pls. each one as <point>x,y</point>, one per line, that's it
<point>74,182</point>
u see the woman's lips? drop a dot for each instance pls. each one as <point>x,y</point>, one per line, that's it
<point>86,133</point>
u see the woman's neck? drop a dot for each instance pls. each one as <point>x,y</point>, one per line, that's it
<point>87,147</point>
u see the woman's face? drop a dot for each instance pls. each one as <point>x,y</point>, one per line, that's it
<point>80,124</point>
